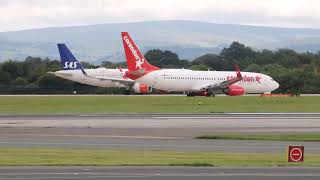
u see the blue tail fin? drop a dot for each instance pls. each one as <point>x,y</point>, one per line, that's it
<point>68,61</point>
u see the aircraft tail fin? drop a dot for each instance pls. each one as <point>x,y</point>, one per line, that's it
<point>68,61</point>
<point>135,59</point>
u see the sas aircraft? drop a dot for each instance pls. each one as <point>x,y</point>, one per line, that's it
<point>101,77</point>
<point>202,83</point>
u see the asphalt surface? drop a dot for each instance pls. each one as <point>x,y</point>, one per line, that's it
<point>155,131</point>
<point>155,173</point>
<point>145,143</point>
<point>177,125</point>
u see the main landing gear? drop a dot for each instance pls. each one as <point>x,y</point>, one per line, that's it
<point>205,93</point>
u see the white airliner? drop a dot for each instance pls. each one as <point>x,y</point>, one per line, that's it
<point>203,83</point>
<point>101,77</point>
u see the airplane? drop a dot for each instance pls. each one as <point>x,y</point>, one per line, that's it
<point>195,83</point>
<point>101,77</point>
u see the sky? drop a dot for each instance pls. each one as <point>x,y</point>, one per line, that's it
<point>30,14</point>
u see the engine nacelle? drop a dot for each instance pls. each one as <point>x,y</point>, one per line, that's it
<point>141,88</point>
<point>234,90</point>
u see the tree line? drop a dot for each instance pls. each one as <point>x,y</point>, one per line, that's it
<point>295,72</point>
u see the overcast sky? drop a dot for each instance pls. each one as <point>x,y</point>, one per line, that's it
<point>26,14</point>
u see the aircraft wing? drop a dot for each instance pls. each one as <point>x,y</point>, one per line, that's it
<point>224,84</point>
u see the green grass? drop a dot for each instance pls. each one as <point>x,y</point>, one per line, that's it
<point>271,137</point>
<point>75,157</point>
<point>152,104</point>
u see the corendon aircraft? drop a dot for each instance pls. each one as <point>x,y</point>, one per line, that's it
<point>203,83</point>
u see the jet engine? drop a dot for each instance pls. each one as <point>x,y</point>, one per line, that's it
<point>234,90</point>
<point>141,88</point>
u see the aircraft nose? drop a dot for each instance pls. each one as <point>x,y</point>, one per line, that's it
<point>275,85</point>
<point>271,85</point>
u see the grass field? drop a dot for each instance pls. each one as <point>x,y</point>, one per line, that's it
<point>73,157</point>
<point>152,104</point>
<point>271,137</point>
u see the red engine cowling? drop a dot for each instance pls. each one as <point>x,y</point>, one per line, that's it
<point>141,88</point>
<point>234,90</point>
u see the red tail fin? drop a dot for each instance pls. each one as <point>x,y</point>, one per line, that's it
<point>135,59</point>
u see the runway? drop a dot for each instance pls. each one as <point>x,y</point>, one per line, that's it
<point>173,132</point>
<point>145,143</point>
<point>176,125</point>
<point>157,173</point>
<point>156,132</point>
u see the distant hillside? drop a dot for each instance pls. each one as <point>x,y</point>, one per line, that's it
<point>96,43</point>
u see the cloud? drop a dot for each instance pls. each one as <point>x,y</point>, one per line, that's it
<point>25,14</point>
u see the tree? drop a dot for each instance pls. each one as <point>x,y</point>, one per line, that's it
<point>237,53</point>
<point>51,82</point>
<point>287,58</point>
<point>253,68</point>
<point>161,58</point>
<point>5,78</point>
<point>107,64</point>
<point>265,57</point>
<point>200,67</point>
<point>14,68</point>
<point>88,65</point>
<point>210,60</point>
<point>20,81</point>
<point>33,68</point>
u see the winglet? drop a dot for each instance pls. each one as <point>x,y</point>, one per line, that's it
<point>238,71</point>
<point>120,68</point>
<point>124,74</point>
